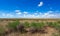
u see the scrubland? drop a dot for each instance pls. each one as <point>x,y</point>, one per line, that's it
<point>29,27</point>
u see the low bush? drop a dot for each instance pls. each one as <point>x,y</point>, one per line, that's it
<point>33,24</point>
<point>13,25</point>
<point>38,25</point>
<point>49,23</point>
<point>2,31</point>
<point>54,25</point>
<point>21,29</point>
<point>26,25</point>
<point>58,22</point>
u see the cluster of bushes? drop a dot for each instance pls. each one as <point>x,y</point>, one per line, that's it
<point>37,27</point>
<point>13,25</point>
<point>34,27</point>
<point>55,25</point>
<point>21,27</point>
<point>2,31</point>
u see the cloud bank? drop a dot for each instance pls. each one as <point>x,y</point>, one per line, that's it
<point>19,14</point>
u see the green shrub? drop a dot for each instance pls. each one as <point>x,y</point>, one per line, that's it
<point>54,25</point>
<point>26,24</point>
<point>40,25</point>
<point>2,29</point>
<point>51,24</point>
<point>37,25</point>
<point>33,24</point>
<point>13,25</point>
<point>58,22</point>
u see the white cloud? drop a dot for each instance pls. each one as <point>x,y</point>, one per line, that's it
<point>9,15</point>
<point>48,14</point>
<point>40,4</point>
<point>17,11</point>
<point>36,13</point>
<point>40,13</point>
<point>50,11</point>
<point>6,15</point>
<point>25,12</point>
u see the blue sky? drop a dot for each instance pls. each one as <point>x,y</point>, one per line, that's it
<point>29,8</point>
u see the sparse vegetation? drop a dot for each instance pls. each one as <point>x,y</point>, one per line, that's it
<point>58,22</point>
<point>26,24</point>
<point>13,25</point>
<point>2,31</point>
<point>34,27</point>
<point>55,34</point>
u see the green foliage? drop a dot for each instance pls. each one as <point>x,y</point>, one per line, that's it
<point>13,25</point>
<point>26,24</point>
<point>54,25</point>
<point>37,25</point>
<point>58,22</point>
<point>2,30</point>
<point>57,26</point>
<point>49,23</point>
<point>33,24</point>
<point>40,25</point>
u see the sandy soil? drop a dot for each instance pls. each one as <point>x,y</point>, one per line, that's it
<point>49,30</point>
